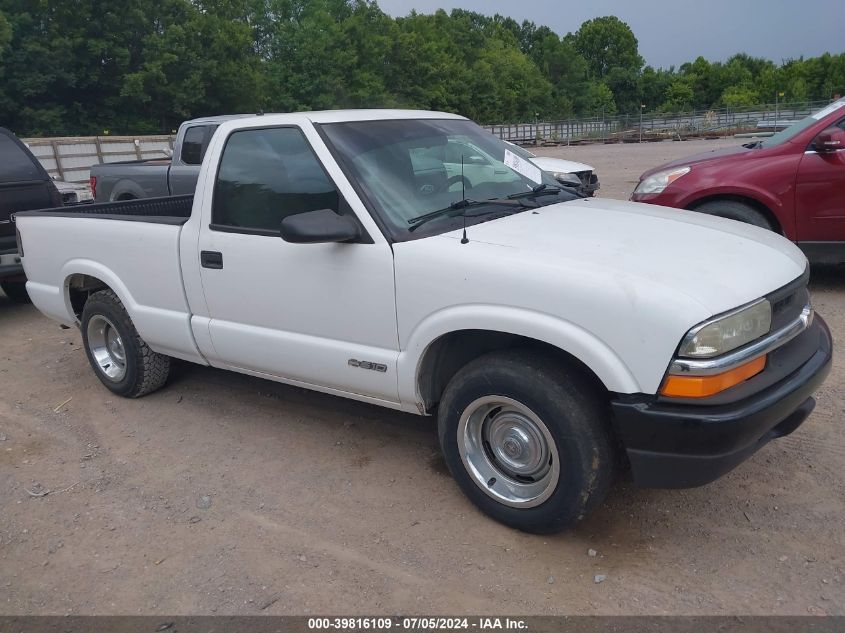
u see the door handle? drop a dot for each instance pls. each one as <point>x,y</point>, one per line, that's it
<point>211,259</point>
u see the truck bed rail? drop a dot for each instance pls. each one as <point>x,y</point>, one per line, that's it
<point>166,210</point>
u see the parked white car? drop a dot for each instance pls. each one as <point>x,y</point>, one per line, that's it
<point>554,337</point>
<point>566,172</point>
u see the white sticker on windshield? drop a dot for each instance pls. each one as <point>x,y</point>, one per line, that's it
<point>523,167</point>
<point>828,109</point>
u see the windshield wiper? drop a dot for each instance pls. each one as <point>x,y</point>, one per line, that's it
<point>546,190</point>
<point>467,204</point>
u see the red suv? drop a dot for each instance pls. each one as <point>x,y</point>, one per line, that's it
<point>792,182</point>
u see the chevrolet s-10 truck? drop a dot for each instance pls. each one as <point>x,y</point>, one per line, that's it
<point>556,338</point>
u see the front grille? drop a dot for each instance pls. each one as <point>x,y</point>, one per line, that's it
<point>788,301</point>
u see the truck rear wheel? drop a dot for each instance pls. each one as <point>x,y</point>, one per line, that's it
<point>123,362</point>
<point>527,441</point>
<point>15,290</point>
<point>733,210</point>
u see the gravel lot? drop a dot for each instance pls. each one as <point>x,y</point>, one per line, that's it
<point>227,494</point>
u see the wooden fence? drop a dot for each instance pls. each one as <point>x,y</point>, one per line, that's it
<point>70,158</point>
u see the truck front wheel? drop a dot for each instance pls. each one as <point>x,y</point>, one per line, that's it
<point>526,440</point>
<point>123,362</point>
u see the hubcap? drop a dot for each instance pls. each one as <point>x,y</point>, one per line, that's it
<point>508,451</point>
<point>106,347</point>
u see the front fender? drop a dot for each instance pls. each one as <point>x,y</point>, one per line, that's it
<point>564,335</point>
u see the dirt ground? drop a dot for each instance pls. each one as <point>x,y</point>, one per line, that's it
<point>228,494</point>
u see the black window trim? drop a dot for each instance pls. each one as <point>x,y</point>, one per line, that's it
<point>365,237</point>
<point>203,143</point>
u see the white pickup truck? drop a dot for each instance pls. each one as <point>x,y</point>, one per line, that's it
<point>556,338</point>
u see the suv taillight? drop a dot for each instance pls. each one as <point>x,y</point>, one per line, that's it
<point>92,182</point>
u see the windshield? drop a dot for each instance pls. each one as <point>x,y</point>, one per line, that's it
<point>411,168</point>
<point>799,126</point>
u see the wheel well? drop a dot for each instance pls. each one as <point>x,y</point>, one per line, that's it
<point>126,196</point>
<point>79,288</point>
<point>751,202</point>
<point>446,355</point>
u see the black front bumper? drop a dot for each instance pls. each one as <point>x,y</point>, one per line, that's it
<point>671,445</point>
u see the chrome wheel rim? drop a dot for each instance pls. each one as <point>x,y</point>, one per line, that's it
<point>106,346</point>
<point>508,451</point>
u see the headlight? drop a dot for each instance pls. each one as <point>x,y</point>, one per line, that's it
<point>728,332</point>
<point>659,181</point>
<point>567,179</point>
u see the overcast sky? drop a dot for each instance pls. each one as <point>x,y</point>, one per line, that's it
<point>677,31</point>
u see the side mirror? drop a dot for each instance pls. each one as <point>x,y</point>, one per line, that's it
<point>830,140</point>
<point>319,227</point>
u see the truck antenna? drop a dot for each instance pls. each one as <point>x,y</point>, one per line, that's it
<point>464,239</point>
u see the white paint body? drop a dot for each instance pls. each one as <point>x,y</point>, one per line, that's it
<point>615,284</point>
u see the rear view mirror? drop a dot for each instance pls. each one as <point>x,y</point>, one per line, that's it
<point>319,227</point>
<point>830,140</point>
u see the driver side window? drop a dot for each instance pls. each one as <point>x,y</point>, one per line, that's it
<point>266,175</point>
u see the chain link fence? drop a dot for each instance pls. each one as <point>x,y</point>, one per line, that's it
<point>656,126</point>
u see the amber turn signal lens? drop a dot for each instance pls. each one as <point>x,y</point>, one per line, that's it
<point>703,386</point>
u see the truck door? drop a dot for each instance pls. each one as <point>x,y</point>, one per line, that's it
<point>819,198</point>
<point>185,168</point>
<point>314,314</point>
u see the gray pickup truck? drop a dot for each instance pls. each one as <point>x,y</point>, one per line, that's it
<point>160,176</point>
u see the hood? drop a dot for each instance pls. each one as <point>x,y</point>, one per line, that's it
<point>615,284</point>
<point>738,152</point>
<point>719,264</point>
<point>560,165</point>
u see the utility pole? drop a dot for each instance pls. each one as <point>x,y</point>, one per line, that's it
<point>778,94</point>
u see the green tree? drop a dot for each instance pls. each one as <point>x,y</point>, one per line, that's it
<point>597,100</point>
<point>607,42</point>
<point>739,96</point>
<point>5,34</point>
<point>680,95</point>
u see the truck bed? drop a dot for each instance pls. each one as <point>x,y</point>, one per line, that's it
<point>130,246</point>
<point>166,210</point>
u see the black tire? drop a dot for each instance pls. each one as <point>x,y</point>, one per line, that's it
<point>733,210</point>
<point>144,370</point>
<point>16,291</point>
<point>571,409</point>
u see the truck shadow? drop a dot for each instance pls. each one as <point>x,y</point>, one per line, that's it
<point>11,310</point>
<point>629,519</point>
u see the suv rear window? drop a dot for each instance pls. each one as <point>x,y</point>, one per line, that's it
<point>16,164</point>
